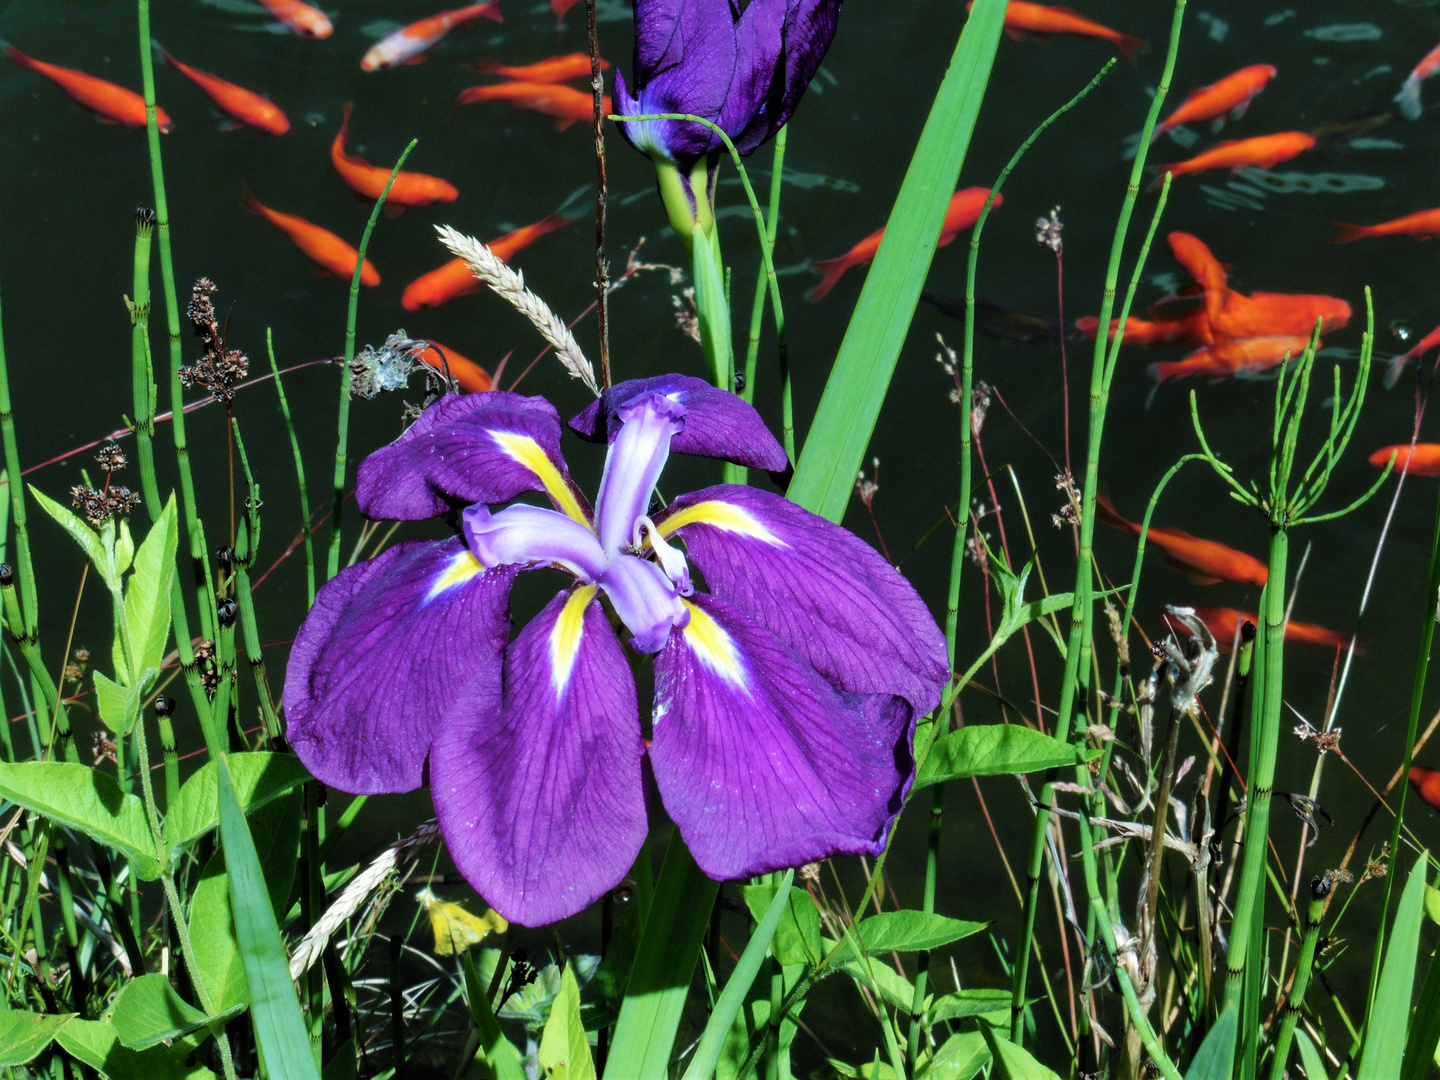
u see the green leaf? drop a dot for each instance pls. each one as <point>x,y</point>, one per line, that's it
<point>913,931</point>
<point>1432,903</point>
<point>258,777</point>
<point>124,547</point>
<point>24,1034</point>
<point>797,939</point>
<point>279,1029</point>
<point>120,705</point>
<point>1424,1037</point>
<point>83,535</point>
<point>876,1070</point>
<point>732,998</point>
<point>344,1064</point>
<point>712,309</point>
<point>564,1050</point>
<point>147,593</point>
<point>996,750</point>
<point>1216,1056</point>
<point>149,1011</point>
<point>85,799</point>
<point>664,964</point>
<point>98,1045</point>
<point>212,927</point>
<point>897,990</point>
<point>963,1055</point>
<point>501,1058</point>
<point>1310,1057</point>
<point>840,432</point>
<point>1014,1062</point>
<point>991,1006</point>
<point>1385,1035</point>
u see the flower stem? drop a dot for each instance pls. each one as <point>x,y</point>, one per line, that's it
<point>299,472</point>
<point>1304,963</point>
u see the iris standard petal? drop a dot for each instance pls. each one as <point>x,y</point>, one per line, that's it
<point>487,447</point>
<point>758,44</point>
<point>809,30</point>
<point>645,599</point>
<point>381,657</point>
<point>542,801</point>
<point>633,465</point>
<point>822,590</point>
<point>532,535</point>
<point>717,423</point>
<point>760,761</point>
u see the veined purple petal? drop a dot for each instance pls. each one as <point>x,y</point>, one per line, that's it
<point>487,447</point>
<point>645,599</point>
<point>633,464</point>
<point>760,761</point>
<point>381,657</point>
<point>819,588</point>
<point>809,30</point>
<point>541,800</point>
<point>758,42</point>
<point>717,423</point>
<point>534,536</point>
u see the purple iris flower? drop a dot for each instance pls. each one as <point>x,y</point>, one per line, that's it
<point>785,694</point>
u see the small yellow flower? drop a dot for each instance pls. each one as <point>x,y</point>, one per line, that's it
<point>455,928</point>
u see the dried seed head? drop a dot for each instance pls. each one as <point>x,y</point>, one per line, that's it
<point>164,706</point>
<point>388,367</point>
<point>220,368</point>
<point>100,506</point>
<point>979,405</point>
<point>866,489</point>
<point>111,458</point>
<point>144,218</point>
<point>226,611</point>
<point>1047,232</point>
<point>7,575</point>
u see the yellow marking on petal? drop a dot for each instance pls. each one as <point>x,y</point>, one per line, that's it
<point>565,637</point>
<point>455,929</point>
<point>714,647</point>
<point>529,453</point>
<point>463,566</point>
<point>721,515</point>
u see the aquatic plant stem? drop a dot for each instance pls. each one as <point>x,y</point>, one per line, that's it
<point>765,280</point>
<point>299,471</point>
<point>332,563</point>
<point>602,265</point>
<point>1304,963</point>
<point>142,375</point>
<point>1077,656</point>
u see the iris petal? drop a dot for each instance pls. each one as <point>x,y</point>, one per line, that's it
<point>645,600</point>
<point>533,536</point>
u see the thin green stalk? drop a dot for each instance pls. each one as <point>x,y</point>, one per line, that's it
<point>299,472</point>
<point>332,566</point>
<point>247,543</point>
<point>63,885</point>
<point>1077,656</point>
<point>164,707</point>
<point>142,377</point>
<point>762,281</point>
<point>28,623</point>
<point>1304,964</point>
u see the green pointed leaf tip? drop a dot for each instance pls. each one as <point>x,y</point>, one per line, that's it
<point>86,799</point>
<point>95,550</point>
<point>149,1011</point>
<point>961,1057</point>
<point>797,934</point>
<point>913,931</point>
<point>258,777</point>
<point>1216,1056</point>
<point>990,1005</point>
<point>1310,1057</point>
<point>997,750</point>
<point>24,1034</point>
<point>564,1050</point>
<point>120,705</point>
<point>1014,1062</point>
<point>147,593</point>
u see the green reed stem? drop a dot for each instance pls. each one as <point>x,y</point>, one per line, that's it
<point>332,566</point>
<point>1077,656</point>
<point>142,377</point>
<point>247,543</point>
<point>764,280</point>
<point>66,893</point>
<point>299,473</point>
<point>168,753</point>
<point>1304,964</point>
<point>25,625</point>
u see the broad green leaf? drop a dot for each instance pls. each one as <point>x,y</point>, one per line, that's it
<point>147,593</point>
<point>876,1070</point>
<point>732,998</point>
<point>1432,903</point>
<point>1310,1057</point>
<point>98,1045</point>
<point>608,986</point>
<point>85,799</point>
<point>840,432</point>
<point>1424,1036</point>
<point>876,974</point>
<point>120,705</point>
<point>1385,1035</point>
<point>996,750</point>
<point>1014,1062</point>
<point>212,928</point>
<point>797,938</point>
<point>501,1058</point>
<point>258,777</point>
<point>712,309</point>
<point>88,539</point>
<point>913,931</point>
<point>344,1065</point>
<point>1216,1056</point>
<point>963,1055</point>
<point>664,964</point>
<point>25,1034</point>
<point>279,1029</point>
<point>564,1051</point>
<point>992,1006</point>
<point>149,1011</point>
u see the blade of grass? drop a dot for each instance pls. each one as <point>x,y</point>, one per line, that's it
<point>1385,1029</point>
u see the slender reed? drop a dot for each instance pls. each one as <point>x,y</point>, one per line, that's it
<point>299,472</point>
<point>602,265</point>
<point>1320,888</point>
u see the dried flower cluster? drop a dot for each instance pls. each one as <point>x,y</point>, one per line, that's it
<point>866,488</point>
<point>1047,232</point>
<point>685,315</point>
<point>111,458</point>
<point>100,506</point>
<point>388,367</point>
<point>220,368</point>
<point>1069,513</point>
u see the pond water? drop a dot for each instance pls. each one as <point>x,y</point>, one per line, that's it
<point>70,185</point>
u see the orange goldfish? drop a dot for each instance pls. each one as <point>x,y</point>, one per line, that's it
<point>963,211</point>
<point>1397,363</point>
<point>1022,17</point>
<point>1192,253</point>
<point>470,375</point>
<point>1422,226</point>
<point>409,189</point>
<point>560,7</point>
<point>1232,357</point>
<point>1271,314</point>
<point>1261,152</point>
<point>555,70</point>
<point>455,279</point>
<point>108,101</point>
<point>1231,94</point>
<point>1206,560</point>
<point>244,105</point>
<point>1222,622</point>
<point>321,245</point>
<point>1427,784</point>
<point>300,18</point>
<point>1409,96</point>
<point>566,104</point>
<point>1422,460</point>
<point>1193,329</point>
<point>409,44</point>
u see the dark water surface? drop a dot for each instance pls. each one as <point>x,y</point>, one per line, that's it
<point>70,185</point>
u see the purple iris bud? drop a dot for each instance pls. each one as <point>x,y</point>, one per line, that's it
<point>786,697</point>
